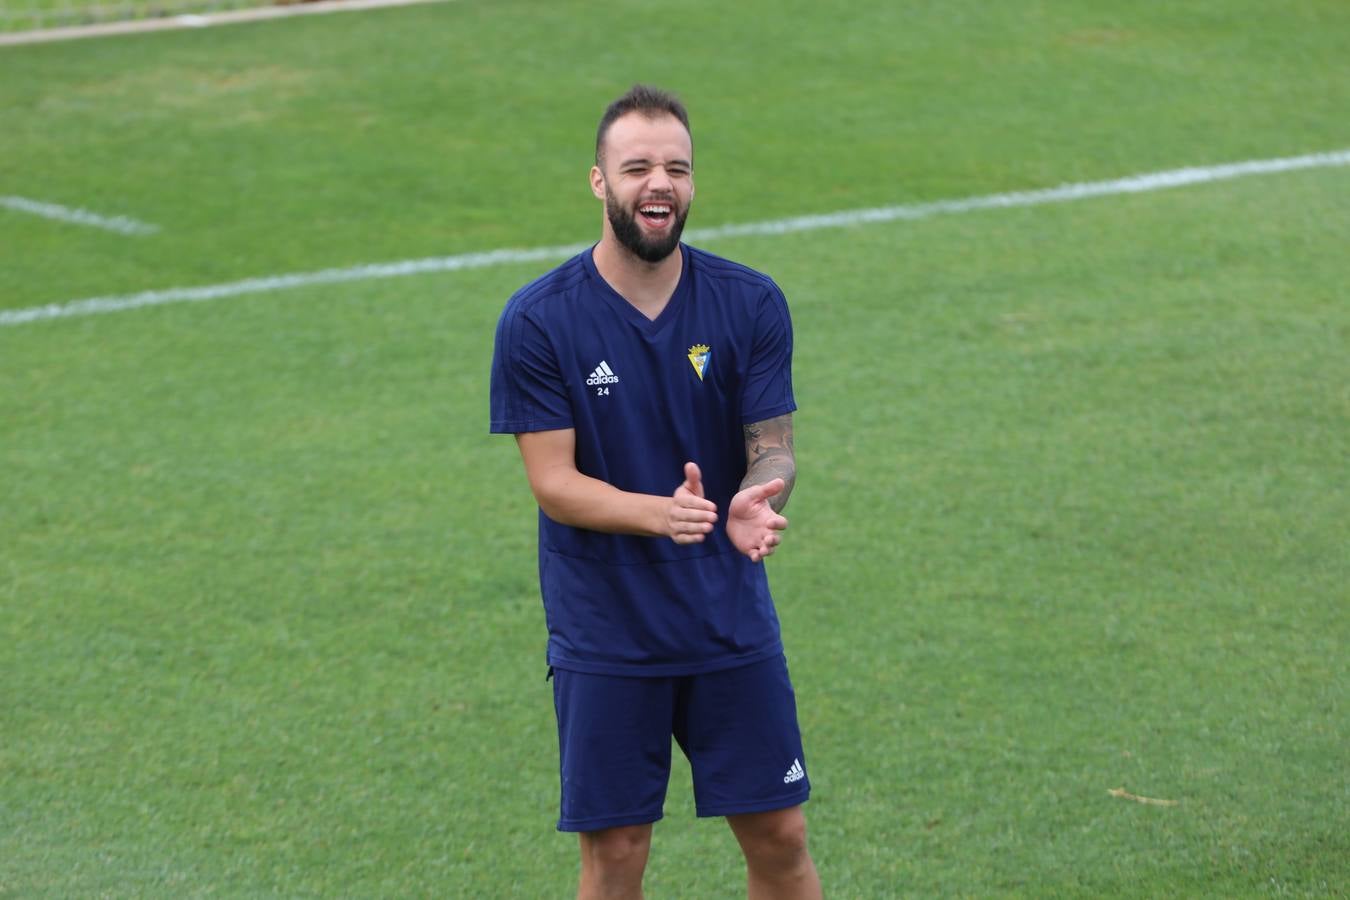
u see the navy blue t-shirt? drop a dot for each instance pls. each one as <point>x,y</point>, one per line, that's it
<point>645,396</point>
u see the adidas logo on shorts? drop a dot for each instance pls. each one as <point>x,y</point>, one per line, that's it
<point>796,773</point>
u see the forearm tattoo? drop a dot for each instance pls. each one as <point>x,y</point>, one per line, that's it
<point>769,455</point>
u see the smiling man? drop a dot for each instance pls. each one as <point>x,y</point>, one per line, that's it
<point>649,387</point>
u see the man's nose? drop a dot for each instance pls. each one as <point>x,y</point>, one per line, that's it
<point>660,181</point>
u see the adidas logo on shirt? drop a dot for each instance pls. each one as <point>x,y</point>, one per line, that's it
<point>796,773</point>
<point>603,374</point>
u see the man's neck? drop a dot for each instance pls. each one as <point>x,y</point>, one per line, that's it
<point>647,286</point>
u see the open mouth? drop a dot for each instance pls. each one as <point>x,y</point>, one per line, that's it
<point>656,214</point>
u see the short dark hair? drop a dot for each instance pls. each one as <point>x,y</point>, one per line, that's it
<point>643,98</point>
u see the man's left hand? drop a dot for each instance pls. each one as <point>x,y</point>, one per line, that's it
<point>754,528</point>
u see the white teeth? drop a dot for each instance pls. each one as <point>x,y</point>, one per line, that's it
<point>654,209</point>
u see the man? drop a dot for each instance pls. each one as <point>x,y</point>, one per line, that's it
<point>648,385</point>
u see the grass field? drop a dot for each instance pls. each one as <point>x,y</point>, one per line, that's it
<point>27,15</point>
<point>1072,511</point>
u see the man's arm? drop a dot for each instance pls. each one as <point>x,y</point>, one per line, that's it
<point>567,496</point>
<point>754,522</point>
<point>768,455</point>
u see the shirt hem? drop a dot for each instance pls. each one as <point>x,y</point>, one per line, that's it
<point>663,670</point>
<point>523,426</point>
<point>713,550</point>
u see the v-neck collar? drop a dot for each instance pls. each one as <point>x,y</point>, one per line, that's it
<point>631,312</point>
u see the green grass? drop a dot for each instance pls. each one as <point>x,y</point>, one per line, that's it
<point>23,15</point>
<point>1071,513</point>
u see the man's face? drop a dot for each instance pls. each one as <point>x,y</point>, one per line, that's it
<point>646,182</point>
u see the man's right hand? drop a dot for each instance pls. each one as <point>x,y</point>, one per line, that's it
<point>691,515</point>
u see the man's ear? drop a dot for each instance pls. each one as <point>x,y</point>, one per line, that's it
<point>597,183</point>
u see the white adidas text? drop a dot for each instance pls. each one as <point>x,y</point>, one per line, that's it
<point>603,374</point>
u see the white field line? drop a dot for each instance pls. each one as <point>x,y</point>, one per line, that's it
<point>1154,181</point>
<point>1133,184</point>
<point>189,20</point>
<point>120,224</point>
<point>97,305</point>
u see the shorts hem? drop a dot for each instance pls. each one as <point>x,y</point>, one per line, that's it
<point>603,822</point>
<point>737,809</point>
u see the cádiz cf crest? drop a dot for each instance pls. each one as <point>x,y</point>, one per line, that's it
<point>699,354</point>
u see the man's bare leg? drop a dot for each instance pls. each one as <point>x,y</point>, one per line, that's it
<point>777,864</point>
<point>612,862</point>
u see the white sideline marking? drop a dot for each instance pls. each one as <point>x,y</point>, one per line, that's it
<point>190,20</point>
<point>1133,184</point>
<point>1154,181</point>
<point>120,224</point>
<point>97,305</point>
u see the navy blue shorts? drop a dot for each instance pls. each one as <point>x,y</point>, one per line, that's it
<point>737,727</point>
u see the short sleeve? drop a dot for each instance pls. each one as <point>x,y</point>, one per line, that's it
<point>767,391</point>
<point>527,392</point>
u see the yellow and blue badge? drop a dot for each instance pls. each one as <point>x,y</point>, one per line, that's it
<point>699,354</point>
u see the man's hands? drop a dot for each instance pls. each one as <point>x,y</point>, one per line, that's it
<point>754,528</point>
<point>686,517</point>
<point>691,515</point>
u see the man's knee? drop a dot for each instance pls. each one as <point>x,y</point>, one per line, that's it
<point>774,840</point>
<point>617,848</point>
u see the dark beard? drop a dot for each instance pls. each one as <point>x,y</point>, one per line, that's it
<point>629,233</point>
